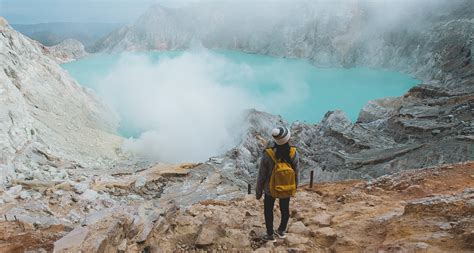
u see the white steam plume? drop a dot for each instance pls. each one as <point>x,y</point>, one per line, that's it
<point>186,114</point>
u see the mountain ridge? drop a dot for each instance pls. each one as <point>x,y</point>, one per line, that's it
<point>354,39</point>
<point>53,33</point>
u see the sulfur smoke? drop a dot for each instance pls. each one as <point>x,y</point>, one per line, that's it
<point>188,106</point>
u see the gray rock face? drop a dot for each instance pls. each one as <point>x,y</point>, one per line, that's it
<point>378,109</point>
<point>400,135</point>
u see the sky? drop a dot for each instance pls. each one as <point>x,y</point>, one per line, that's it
<point>82,11</point>
<point>86,11</point>
<point>44,11</point>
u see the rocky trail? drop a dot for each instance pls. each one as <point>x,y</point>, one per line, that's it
<point>411,211</point>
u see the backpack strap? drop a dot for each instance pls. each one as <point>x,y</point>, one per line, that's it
<point>292,152</point>
<point>271,154</point>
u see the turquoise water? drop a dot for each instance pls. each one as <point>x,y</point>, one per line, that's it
<point>294,89</point>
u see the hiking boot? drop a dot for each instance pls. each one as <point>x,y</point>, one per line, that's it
<point>280,234</point>
<point>269,238</point>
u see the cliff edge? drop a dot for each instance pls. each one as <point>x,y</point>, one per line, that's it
<point>48,122</point>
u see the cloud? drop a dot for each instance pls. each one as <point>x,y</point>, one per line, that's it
<point>44,11</point>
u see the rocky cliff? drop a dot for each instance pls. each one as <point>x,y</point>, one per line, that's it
<point>428,126</point>
<point>48,123</point>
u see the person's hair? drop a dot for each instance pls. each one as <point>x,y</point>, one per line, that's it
<point>283,152</point>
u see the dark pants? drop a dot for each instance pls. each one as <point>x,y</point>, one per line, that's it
<point>268,204</point>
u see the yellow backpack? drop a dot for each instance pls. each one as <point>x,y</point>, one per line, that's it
<point>283,178</point>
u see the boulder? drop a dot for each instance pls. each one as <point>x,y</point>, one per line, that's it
<point>336,121</point>
<point>89,195</point>
<point>122,247</point>
<point>80,187</point>
<point>185,220</point>
<point>72,241</point>
<point>97,216</point>
<point>293,240</point>
<point>140,182</point>
<point>435,131</point>
<point>321,219</point>
<point>299,228</point>
<point>237,238</point>
<point>208,234</point>
<point>421,246</point>
<point>325,236</point>
<point>12,193</point>
<point>104,237</point>
<point>378,109</point>
<point>147,227</point>
<point>25,195</point>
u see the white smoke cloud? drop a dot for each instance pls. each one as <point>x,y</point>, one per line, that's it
<point>186,113</point>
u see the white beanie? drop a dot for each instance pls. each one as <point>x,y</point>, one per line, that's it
<point>281,135</point>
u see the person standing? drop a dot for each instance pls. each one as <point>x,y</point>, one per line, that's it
<point>278,179</point>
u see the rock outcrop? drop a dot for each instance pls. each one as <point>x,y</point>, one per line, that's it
<point>68,50</point>
<point>427,127</point>
<point>48,123</point>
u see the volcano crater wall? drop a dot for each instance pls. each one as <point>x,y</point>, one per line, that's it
<point>418,39</point>
<point>431,40</point>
